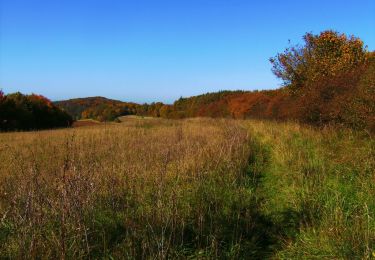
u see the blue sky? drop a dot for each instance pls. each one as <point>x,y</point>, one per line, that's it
<point>159,50</point>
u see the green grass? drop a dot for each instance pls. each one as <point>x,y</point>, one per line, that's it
<point>319,188</point>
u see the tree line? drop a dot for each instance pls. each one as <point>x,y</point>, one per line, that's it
<point>330,79</point>
<point>30,112</point>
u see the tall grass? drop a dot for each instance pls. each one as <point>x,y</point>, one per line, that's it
<point>196,188</point>
<point>146,189</point>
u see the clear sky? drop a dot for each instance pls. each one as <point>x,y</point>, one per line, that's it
<point>159,50</point>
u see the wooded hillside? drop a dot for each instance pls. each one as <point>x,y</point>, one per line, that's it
<point>30,112</point>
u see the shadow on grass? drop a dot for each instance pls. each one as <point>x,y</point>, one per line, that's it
<point>269,231</point>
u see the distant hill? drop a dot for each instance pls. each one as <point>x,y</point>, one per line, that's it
<point>234,104</point>
<point>100,108</point>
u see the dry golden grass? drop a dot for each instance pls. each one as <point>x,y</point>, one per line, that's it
<point>85,122</point>
<point>136,188</point>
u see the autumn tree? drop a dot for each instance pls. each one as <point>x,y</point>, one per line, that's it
<point>322,56</point>
<point>30,112</point>
<point>360,108</point>
<point>165,111</point>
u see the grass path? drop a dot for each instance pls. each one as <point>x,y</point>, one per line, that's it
<point>317,188</point>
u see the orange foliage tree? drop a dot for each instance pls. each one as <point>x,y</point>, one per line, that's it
<point>324,74</point>
<point>325,55</point>
<point>30,112</point>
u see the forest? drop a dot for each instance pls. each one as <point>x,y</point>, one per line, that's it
<point>30,112</point>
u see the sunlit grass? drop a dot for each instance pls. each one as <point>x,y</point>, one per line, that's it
<point>198,188</point>
<point>165,188</point>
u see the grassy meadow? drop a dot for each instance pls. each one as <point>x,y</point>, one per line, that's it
<point>186,189</point>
